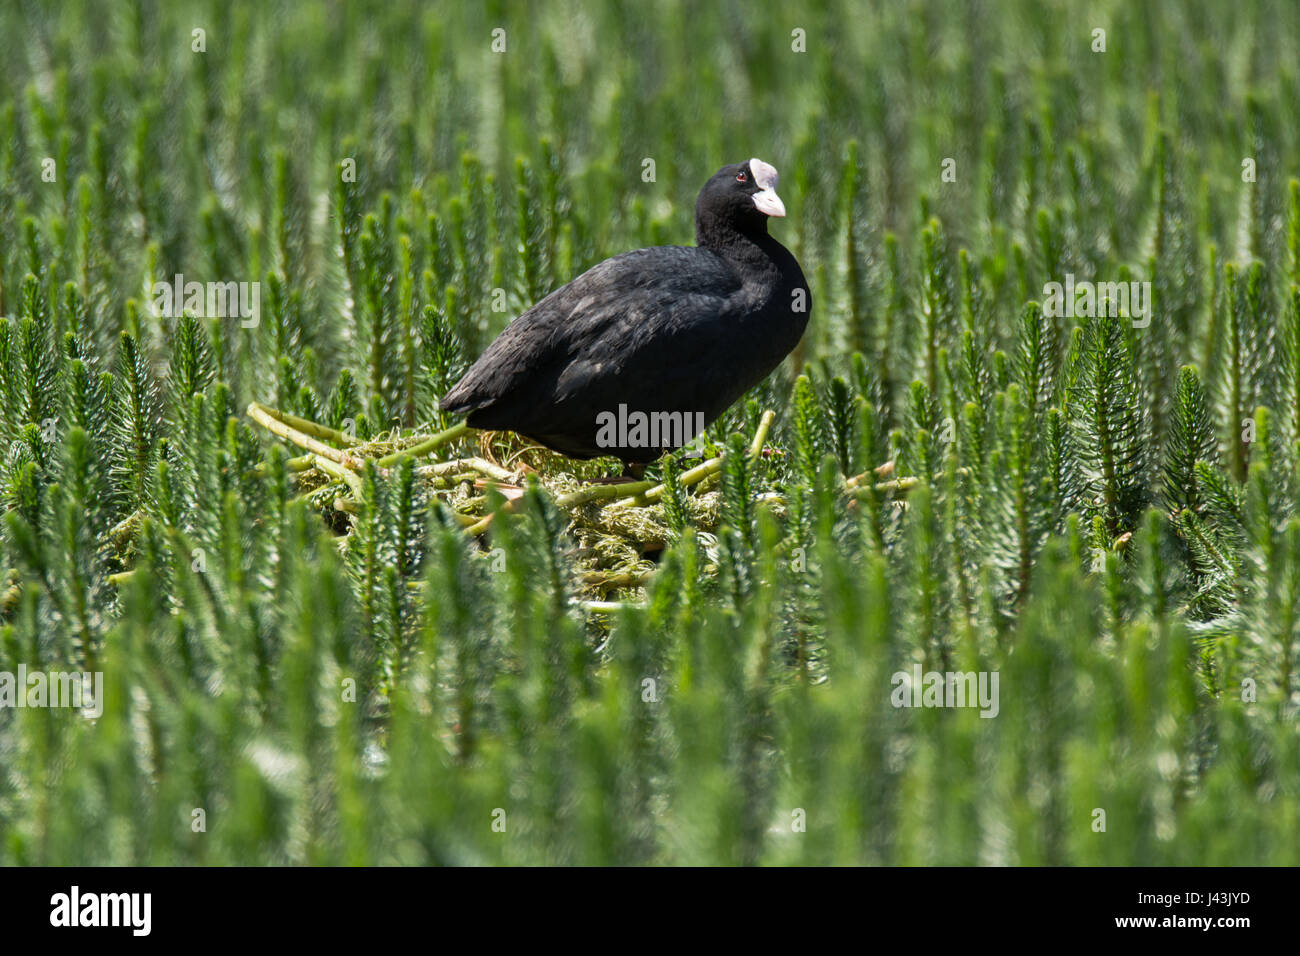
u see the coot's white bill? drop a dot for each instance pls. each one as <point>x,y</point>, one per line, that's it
<point>769,202</point>
<point>766,199</point>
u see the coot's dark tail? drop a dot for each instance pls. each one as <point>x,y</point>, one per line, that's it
<point>452,406</point>
<point>460,399</point>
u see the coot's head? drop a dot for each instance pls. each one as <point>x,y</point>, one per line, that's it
<point>740,198</point>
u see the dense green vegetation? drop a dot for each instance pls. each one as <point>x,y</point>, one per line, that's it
<point>1101,511</point>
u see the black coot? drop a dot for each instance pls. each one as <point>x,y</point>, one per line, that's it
<point>639,353</point>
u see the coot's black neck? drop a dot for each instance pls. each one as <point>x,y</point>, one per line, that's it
<point>755,253</point>
<point>720,233</point>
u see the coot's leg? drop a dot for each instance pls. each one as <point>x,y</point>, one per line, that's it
<point>631,472</point>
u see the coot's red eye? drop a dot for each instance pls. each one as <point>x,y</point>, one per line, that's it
<point>741,177</point>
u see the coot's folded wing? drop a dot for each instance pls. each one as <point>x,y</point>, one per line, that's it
<point>625,316</point>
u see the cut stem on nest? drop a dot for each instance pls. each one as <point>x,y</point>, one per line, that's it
<point>268,420</point>
<point>598,492</point>
<point>458,465</point>
<point>336,470</point>
<point>426,446</point>
<point>636,497</point>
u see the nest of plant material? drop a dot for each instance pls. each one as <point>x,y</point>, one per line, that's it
<point>618,528</point>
